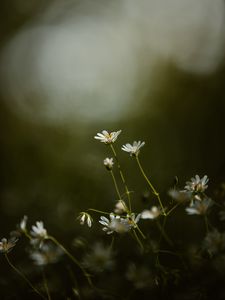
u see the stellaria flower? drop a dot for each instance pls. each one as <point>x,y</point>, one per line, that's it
<point>108,163</point>
<point>99,259</point>
<point>120,207</point>
<point>23,224</point>
<point>153,213</point>
<point>39,233</point>
<point>197,184</point>
<point>7,245</point>
<point>107,137</point>
<point>133,149</point>
<point>48,254</point>
<point>214,242</point>
<point>85,217</point>
<point>119,224</point>
<point>199,207</point>
<point>180,196</point>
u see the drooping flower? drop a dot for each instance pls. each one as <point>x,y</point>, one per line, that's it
<point>85,218</point>
<point>152,213</point>
<point>107,137</point>
<point>199,207</point>
<point>119,224</point>
<point>23,224</point>
<point>197,184</point>
<point>120,207</point>
<point>7,245</point>
<point>133,149</point>
<point>108,163</point>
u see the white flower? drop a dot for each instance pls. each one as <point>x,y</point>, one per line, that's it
<point>180,196</point>
<point>23,224</point>
<point>108,163</point>
<point>197,184</point>
<point>153,213</point>
<point>119,224</point>
<point>199,207</point>
<point>85,217</point>
<point>7,245</point>
<point>48,254</point>
<point>39,233</point>
<point>120,207</point>
<point>133,149</point>
<point>107,137</point>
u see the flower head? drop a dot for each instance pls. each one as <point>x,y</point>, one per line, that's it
<point>108,163</point>
<point>107,137</point>
<point>120,207</point>
<point>85,218</point>
<point>119,224</point>
<point>133,149</point>
<point>7,245</point>
<point>197,184</point>
<point>199,207</point>
<point>48,254</point>
<point>153,213</point>
<point>39,233</point>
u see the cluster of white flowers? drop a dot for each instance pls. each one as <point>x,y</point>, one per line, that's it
<point>119,224</point>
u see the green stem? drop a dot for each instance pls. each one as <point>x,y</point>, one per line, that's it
<point>138,240</point>
<point>24,277</point>
<point>175,206</point>
<point>150,185</point>
<point>141,233</point>
<point>46,285</point>
<point>99,211</point>
<point>73,259</point>
<point>115,184</point>
<point>163,233</point>
<point>121,175</point>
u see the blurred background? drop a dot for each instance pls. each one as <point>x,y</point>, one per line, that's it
<point>72,68</point>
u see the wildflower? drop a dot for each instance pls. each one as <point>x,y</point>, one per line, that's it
<point>133,149</point>
<point>23,224</point>
<point>39,233</point>
<point>153,213</point>
<point>107,137</point>
<point>108,163</point>
<point>120,207</point>
<point>214,242</point>
<point>199,207</point>
<point>85,217</point>
<point>7,245</point>
<point>48,254</point>
<point>140,276</point>
<point>179,196</point>
<point>99,259</point>
<point>119,224</point>
<point>197,184</point>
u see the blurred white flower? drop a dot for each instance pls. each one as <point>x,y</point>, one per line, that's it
<point>153,213</point>
<point>23,224</point>
<point>99,259</point>
<point>180,196</point>
<point>48,254</point>
<point>199,207</point>
<point>107,137</point>
<point>197,184</point>
<point>140,276</point>
<point>85,217</point>
<point>214,242</point>
<point>7,245</point>
<point>119,224</point>
<point>120,207</point>
<point>108,163</point>
<point>133,149</point>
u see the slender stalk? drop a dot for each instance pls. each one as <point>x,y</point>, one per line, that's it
<point>141,233</point>
<point>171,210</point>
<point>24,277</point>
<point>121,175</point>
<point>163,233</point>
<point>99,211</point>
<point>115,184</point>
<point>150,185</point>
<point>138,240</point>
<point>73,259</point>
<point>46,285</point>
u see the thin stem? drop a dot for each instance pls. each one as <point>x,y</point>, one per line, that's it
<point>174,207</point>
<point>141,233</point>
<point>46,285</point>
<point>138,240</point>
<point>73,259</point>
<point>150,185</point>
<point>163,233</point>
<point>121,175</point>
<point>115,184</point>
<point>24,277</point>
<point>99,211</point>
